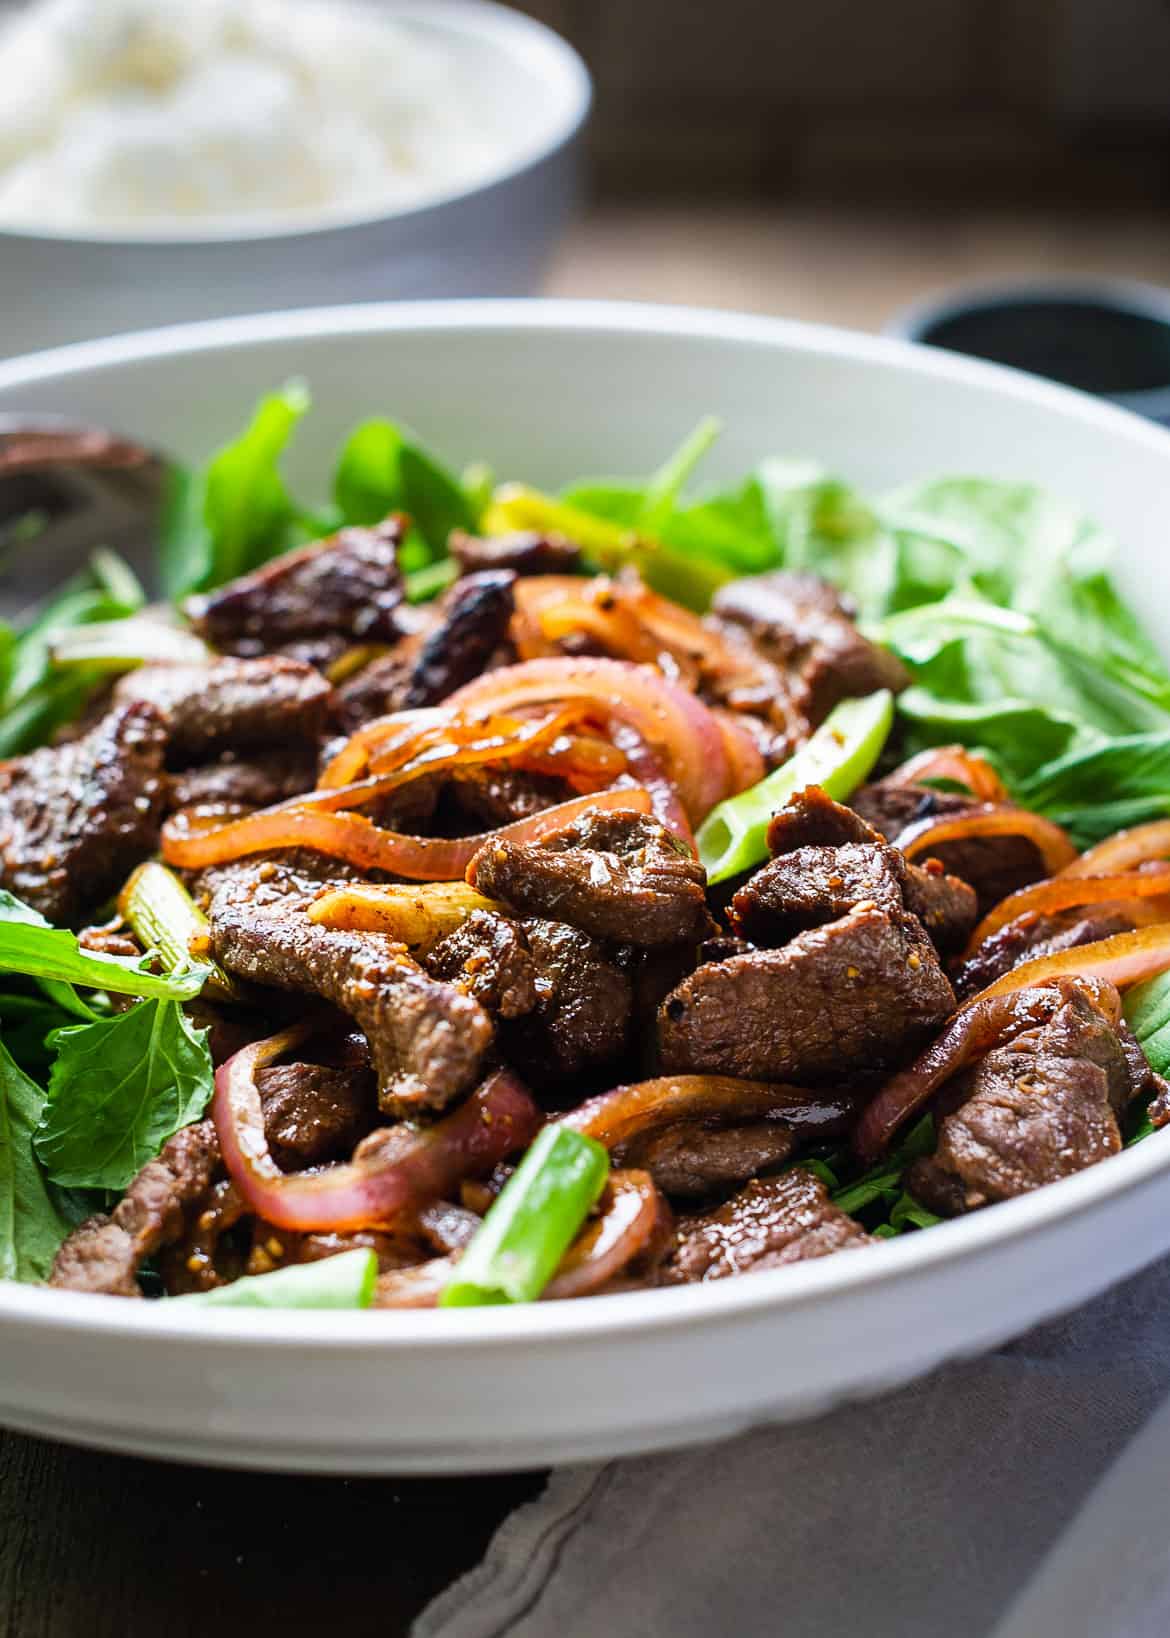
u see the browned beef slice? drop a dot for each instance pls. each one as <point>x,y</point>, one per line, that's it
<point>453,646</point>
<point>583,1006</point>
<point>827,859</point>
<point>861,993</point>
<point>495,796</point>
<point>105,1253</point>
<point>231,704</point>
<point>347,585</point>
<point>524,552</point>
<point>993,865</point>
<point>690,1160</point>
<point>801,625</point>
<point>76,818</point>
<point>1031,937</point>
<point>489,956</point>
<point>255,781</point>
<point>778,1220</point>
<point>427,1038</point>
<point>315,1113</point>
<point>1037,1108</point>
<point>614,873</point>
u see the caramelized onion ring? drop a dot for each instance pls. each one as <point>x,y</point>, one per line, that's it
<point>744,756</point>
<point>633,1213</point>
<point>1125,851</point>
<point>1126,958</point>
<point>956,763</point>
<point>613,1118</point>
<point>397,734</point>
<point>1068,892</point>
<point>985,1022</point>
<point>678,728</point>
<point>1053,845</point>
<point>367,846</point>
<point>410,1168</point>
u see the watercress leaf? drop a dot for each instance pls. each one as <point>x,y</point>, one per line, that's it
<point>60,994</point>
<point>1147,1011</point>
<point>825,527</point>
<point>382,469</point>
<point>237,512</point>
<point>665,486</point>
<point>1133,770</point>
<point>40,951</point>
<point>119,1088</point>
<point>31,1224</point>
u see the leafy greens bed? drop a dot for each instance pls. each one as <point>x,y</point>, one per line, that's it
<point>996,596</point>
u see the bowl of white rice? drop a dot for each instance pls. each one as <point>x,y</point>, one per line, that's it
<point>162,160</point>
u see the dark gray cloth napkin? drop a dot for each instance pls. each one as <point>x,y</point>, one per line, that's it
<point>922,1515</point>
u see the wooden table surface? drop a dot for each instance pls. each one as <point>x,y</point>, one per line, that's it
<point>96,1546</point>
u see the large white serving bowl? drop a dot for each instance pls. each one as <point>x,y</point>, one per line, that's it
<point>549,391</point>
<point>492,237</point>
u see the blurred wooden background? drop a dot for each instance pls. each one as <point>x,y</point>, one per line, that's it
<point>908,100</point>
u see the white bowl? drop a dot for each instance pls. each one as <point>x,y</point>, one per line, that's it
<point>492,238</point>
<point>549,391</point>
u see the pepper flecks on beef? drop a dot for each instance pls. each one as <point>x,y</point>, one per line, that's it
<point>584,1003</point>
<point>1038,1107</point>
<point>802,626</point>
<point>105,1253</point>
<point>489,956</point>
<point>76,818</point>
<point>347,585</point>
<point>614,873</point>
<point>452,644</point>
<point>232,704</point>
<point>995,866</point>
<point>809,883</point>
<point>525,552</point>
<point>770,1223</point>
<point>427,1038</point>
<point>495,796</point>
<point>858,994</point>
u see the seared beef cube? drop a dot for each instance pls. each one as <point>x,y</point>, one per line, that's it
<point>525,552</point>
<point>801,625</point>
<point>76,818</point>
<point>1031,937</point>
<point>105,1252</point>
<point>347,585</point>
<point>812,882</point>
<point>427,1038</point>
<point>691,1160</point>
<point>584,1000</point>
<point>995,866</point>
<point>615,873</point>
<point>779,1220</point>
<point>1038,1107</point>
<point>860,993</point>
<point>454,643</point>
<point>232,704</point>
<point>314,1113</point>
<point>489,956</point>
<point>255,781</point>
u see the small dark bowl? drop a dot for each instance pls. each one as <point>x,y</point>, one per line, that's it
<point>1111,340</point>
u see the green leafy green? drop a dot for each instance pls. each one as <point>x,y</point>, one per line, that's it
<point>60,993</point>
<point>1147,1011</point>
<point>36,696</point>
<point>383,469</point>
<point>119,1088</point>
<point>39,951</point>
<point>1077,790</point>
<point>236,512</point>
<point>344,1281</point>
<point>32,1224</point>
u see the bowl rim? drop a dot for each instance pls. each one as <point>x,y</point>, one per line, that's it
<point>806,1285</point>
<point>526,39</point>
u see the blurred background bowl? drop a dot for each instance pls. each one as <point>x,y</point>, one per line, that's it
<point>493,238</point>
